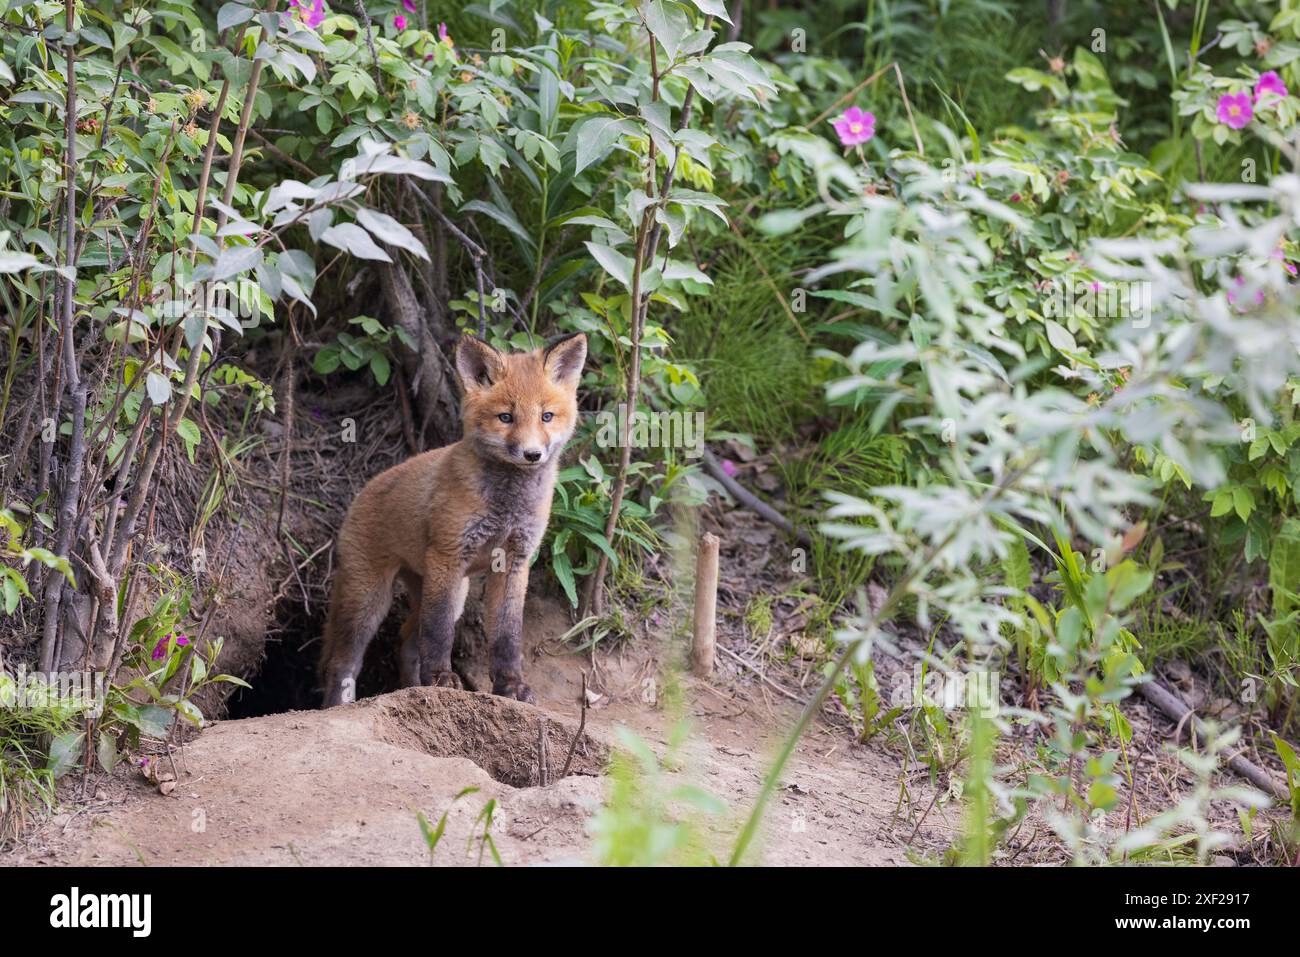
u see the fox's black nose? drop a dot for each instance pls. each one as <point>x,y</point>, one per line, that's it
<point>532,456</point>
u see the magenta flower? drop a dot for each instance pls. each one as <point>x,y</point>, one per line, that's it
<point>729,467</point>
<point>445,39</point>
<point>409,5</point>
<point>1235,110</point>
<point>855,126</point>
<point>160,649</point>
<point>310,16</point>
<point>1269,86</point>
<point>399,22</point>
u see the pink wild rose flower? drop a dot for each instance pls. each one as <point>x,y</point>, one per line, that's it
<point>1269,88</point>
<point>1235,110</point>
<point>160,649</point>
<point>445,39</point>
<point>309,14</point>
<point>399,22</point>
<point>855,126</point>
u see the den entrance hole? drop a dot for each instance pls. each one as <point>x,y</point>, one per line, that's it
<point>287,679</point>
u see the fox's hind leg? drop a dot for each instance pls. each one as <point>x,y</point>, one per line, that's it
<point>408,655</point>
<point>358,604</point>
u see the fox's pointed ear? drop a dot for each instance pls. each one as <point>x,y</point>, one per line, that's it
<point>477,363</point>
<point>563,358</point>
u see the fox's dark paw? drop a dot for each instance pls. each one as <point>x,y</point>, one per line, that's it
<point>514,688</point>
<point>445,679</point>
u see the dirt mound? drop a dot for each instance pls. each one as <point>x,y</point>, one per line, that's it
<point>512,742</point>
<point>344,786</point>
<point>338,787</point>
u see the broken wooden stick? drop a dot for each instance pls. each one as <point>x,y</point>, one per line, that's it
<point>1177,710</point>
<point>543,756</point>
<point>706,606</point>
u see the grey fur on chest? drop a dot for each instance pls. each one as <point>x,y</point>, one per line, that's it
<point>512,516</point>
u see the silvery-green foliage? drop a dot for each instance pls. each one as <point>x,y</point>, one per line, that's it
<point>1192,812</point>
<point>1019,455</point>
<point>1225,318</point>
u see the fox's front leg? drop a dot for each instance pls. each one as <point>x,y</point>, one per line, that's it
<point>442,599</point>
<point>504,601</point>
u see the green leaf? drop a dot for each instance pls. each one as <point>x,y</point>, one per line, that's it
<point>107,752</point>
<point>1243,501</point>
<point>600,541</point>
<point>613,262</point>
<point>327,359</point>
<point>1127,581</point>
<point>236,260</point>
<point>232,15</point>
<point>159,388</point>
<point>501,216</point>
<point>190,711</point>
<point>155,720</point>
<point>1292,764</point>
<point>195,325</point>
<point>11,593</point>
<point>563,569</point>
<point>37,96</point>
<point>189,432</point>
<point>668,23</point>
<point>1284,567</point>
<point>16,262</point>
<point>354,240</point>
<point>1102,795</point>
<point>597,136</point>
<point>231,679</point>
<point>1017,571</point>
<point>1060,337</point>
<point>65,750</point>
<point>714,8</point>
<point>386,229</point>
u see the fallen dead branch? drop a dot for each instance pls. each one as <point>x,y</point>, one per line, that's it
<point>1177,710</point>
<point>752,501</point>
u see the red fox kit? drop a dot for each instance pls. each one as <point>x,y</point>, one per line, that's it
<point>480,504</point>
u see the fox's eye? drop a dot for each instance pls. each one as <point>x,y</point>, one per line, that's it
<point>547,416</point>
<point>506,417</point>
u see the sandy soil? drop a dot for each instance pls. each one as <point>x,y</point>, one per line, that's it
<point>344,786</point>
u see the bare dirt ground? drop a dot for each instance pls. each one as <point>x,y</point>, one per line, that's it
<point>344,786</point>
